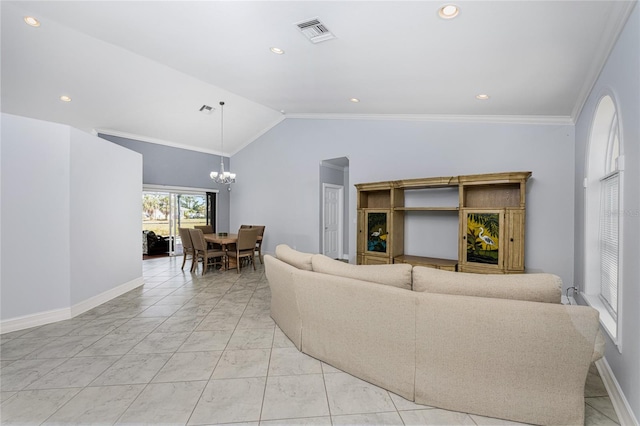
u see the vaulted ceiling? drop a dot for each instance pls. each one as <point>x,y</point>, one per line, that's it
<point>143,69</point>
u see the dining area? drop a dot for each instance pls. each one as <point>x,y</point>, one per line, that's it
<point>221,251</point>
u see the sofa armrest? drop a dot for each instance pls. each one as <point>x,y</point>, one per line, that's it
<point>398,275</point>
<point>599,347</point>
<point>523,361</point>
<point>284,307</point>
<point>531,287</point>
<point>293,257</point>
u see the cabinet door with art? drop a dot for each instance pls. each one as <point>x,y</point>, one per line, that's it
<point>482,240</point>
<point>377,232</point>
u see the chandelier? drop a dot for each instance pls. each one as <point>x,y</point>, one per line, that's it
<point>222,176</point>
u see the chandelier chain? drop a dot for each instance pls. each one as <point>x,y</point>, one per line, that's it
<point>222,177</point>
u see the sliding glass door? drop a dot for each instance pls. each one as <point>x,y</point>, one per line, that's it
<point>163,212</point>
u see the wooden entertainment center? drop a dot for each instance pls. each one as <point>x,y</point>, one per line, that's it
<point>491,221</point>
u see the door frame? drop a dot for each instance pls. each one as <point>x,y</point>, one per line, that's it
<point>172,191</point>
<point>340,189</point>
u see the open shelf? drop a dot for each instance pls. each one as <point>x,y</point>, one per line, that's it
<point>430,262</point>
<point>426,209</point>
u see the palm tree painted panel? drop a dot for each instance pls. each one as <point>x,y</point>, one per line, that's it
<point>483,230</point>
<point>377,233</point>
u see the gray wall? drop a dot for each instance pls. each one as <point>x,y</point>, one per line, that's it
<point>165,165</point>
<point>70,212</point>
<point>620,77</point>
<point>280,174</point>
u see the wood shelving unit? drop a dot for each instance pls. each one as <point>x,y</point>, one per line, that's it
<point>490,211</point>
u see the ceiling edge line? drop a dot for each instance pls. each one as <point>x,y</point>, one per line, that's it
<point>594,73</point>
<point>522,119</point>
<point>258,135</point>
<point>147,139</point>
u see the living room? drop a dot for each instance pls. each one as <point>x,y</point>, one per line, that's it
<point>278,181</point>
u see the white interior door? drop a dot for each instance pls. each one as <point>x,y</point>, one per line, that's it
<point>332,213</point>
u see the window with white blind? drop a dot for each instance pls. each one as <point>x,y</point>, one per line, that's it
<point>609,214</point>
<point>604,221</point>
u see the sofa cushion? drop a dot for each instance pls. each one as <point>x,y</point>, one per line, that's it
<point>398,275</point>
<point>532,287</point>
<point>293,257</point>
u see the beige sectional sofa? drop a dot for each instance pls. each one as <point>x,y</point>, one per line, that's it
<point>496,345</point>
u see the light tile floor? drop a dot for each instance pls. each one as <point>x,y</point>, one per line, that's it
<point>186,349</point>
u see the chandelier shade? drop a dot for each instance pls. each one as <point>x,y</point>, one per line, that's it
<point>222,176</point>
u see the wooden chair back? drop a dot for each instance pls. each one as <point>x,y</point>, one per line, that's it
<point>187,244</point>
<point>247,238</point>
<point>260,229</point>
<point>206,229</point>
<point>197,237</point>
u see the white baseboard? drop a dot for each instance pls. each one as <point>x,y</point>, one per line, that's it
<point>101,298</point>
<point>618,400</point>
<point>42,318</point>
<point>34,320</point>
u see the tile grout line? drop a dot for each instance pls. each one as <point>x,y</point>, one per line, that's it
<point>147,384</point>
<point>219,358</point>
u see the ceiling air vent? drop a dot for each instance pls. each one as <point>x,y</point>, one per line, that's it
<point>206,109</point>
<point>315,30</point>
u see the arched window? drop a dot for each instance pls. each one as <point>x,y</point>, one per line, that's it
<point>603,222</point>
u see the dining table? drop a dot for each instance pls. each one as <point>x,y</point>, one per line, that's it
<point>224,240</point>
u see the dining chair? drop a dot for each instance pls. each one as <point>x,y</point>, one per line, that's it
<point>260,229</point>
<point>187,247</point>
<point>246,226</point>
<point>245,247</point>
<point>208,256</point>
<point>206,229</point>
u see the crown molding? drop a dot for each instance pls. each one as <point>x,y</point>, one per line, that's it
<point>446,118</point>
<point>148,139</point>
<point>520,119</point>
<point>164,142</point>
<point>613,26</point>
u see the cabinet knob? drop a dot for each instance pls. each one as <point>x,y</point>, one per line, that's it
<point>464,237</point>
<point>511,239</point>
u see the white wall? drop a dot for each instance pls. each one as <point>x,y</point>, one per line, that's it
<point>70,213</point>
<point>106,225</point>
<point>278,175</point>
<point>35,216</point>
<point>620,78</point>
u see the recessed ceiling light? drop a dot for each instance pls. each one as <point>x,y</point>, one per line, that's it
<point>65,98</point>
<point>482,97</point>
<point>277,50</point>
<point>354,100</point>
<point>448,11</point>
<point>30,20</point>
